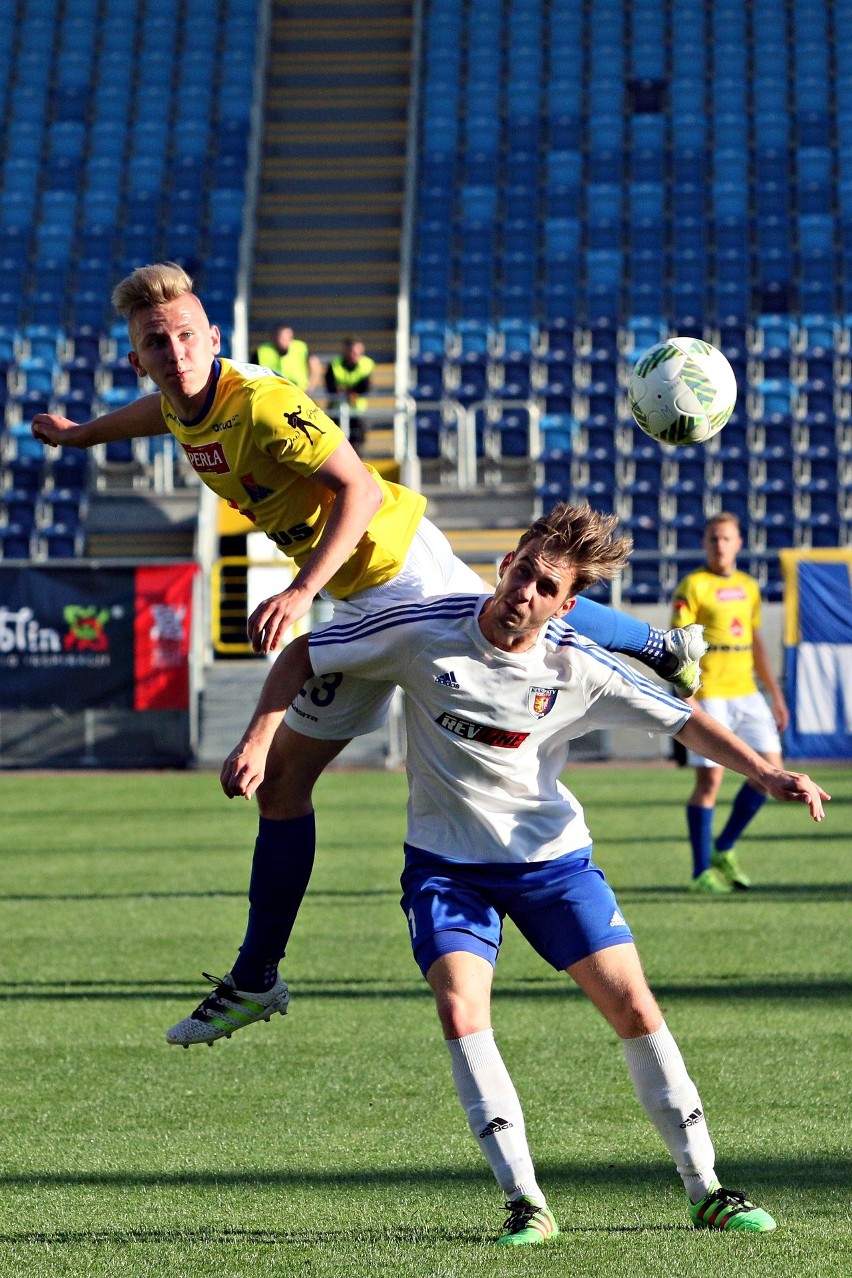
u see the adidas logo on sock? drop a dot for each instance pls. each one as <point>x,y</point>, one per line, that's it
<point>694,1118</point>
<point>496,1125</point>
<point>617,920</point>
<point>448,680</point>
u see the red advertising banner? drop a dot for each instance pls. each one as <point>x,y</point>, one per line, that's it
<point>162,629</point>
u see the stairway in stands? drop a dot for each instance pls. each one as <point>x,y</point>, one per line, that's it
<point>332,173</point>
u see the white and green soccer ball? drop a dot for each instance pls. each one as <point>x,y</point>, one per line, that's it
<point>682,391</point>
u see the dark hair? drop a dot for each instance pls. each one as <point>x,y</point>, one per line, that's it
<point>585,538</point>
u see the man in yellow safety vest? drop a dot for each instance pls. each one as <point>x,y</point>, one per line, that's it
<point>290,357</point>
<point>347,376</point>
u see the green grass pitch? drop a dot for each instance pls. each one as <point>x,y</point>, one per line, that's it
<point>331,1142</point>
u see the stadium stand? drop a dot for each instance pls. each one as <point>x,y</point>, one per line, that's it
<point>585,186</point>
<point>103,168</point>
<point>617,186</point>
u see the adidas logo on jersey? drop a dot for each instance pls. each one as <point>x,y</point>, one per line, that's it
<point>696,1117</point>
<point>617,920</point>
<point>447,680</point>
<point>496,1125</point>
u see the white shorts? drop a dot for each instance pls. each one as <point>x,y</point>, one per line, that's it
<point>749,717</point>
<point>335,708</point>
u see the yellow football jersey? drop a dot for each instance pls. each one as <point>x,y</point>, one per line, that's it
<point>258,444</point>
<point>729,610</point>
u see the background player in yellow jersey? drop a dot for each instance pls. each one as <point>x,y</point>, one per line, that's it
<point>259,442</point>
<point>727,603</point>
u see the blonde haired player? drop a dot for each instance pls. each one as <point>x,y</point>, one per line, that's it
<point>727,603</point>
<point>260,443</point>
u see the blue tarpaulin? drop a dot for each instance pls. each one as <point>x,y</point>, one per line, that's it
<point>818,652</point>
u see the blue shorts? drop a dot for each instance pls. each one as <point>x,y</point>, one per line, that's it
<point>565,908</point>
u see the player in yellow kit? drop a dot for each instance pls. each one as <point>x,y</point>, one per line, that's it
<point>259,442</point>
<point>727,603</point>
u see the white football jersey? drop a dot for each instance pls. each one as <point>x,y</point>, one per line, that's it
<point>488,730</point>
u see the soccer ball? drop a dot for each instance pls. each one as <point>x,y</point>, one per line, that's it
<point>682,391</point>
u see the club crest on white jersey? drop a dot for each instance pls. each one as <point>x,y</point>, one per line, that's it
<point>540,701</point>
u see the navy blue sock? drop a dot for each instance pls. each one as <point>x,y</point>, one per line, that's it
<point>609,628</point>
<point>280,873</point>
<point>747,804</point>
<point>700,823</point>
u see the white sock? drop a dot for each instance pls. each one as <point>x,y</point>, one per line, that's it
<point>493,1112</point>
<point>671,1101</point>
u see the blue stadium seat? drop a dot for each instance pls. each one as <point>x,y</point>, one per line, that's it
<point>687,530</point>
<point>64,506</point>
<point>817,402</point>
<point>596,474</point>
<point>20,507</point>
<point>61,541</point>
<point>27,469</point>
<point>429,382</point>
<point>429,430</point>
<point>510,432</point>
<point>558,432</point>
<point>604,216</point>
<point>513,380</point>
<point>69,469</point>
<point>15,542</point>
<point>34,374</point>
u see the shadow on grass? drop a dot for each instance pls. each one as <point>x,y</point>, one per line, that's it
<point>763,891</point>
<point>788,990</point>
<point>307,1237</point>
<point>815,1174</point>
<point>216,894</point>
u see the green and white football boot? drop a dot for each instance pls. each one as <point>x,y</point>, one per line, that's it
<point>227,1009</point>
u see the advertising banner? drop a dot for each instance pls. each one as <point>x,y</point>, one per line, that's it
<point>163,605</point>
<point>88,638</point>
<point>66,638</point>
<point>818,652</point>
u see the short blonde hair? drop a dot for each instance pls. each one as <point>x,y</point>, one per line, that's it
<point>150,286</point>
<point>585,539</point>
<point>724,517</point>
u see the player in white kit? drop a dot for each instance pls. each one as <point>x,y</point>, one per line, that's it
<point>496,687</point>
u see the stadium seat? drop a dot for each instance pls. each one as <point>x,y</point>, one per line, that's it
<point>20,507</point>
<point>16,542</point>
<point>509,432</point>
<point>429,430</point>
<point>60,541</point>
<point>26,471</point>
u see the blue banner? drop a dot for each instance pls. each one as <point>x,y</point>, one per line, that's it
<point>66,638</point>
<point>818,652</point>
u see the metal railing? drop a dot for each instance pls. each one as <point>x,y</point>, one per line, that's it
<point>232,600</point>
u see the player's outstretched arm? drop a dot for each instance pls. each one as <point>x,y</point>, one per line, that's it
<point>141,417</point>
<point>357,497</point>
<point>708,738</point>
<point>245,767</point>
